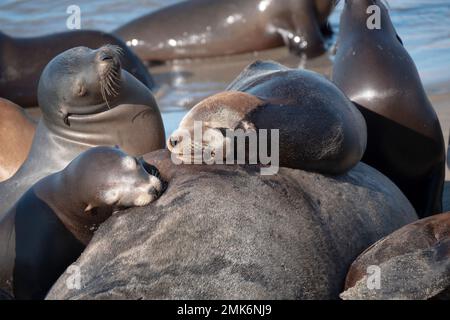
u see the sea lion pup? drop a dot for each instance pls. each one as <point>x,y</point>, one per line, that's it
<point>23,60</point>
<point>87,100</point>
<point>215,28</point>
<point>16,135</point>
<point>405,140</point>
<point>414,263</point>
<point>319,128</point>
<point>51,224</point>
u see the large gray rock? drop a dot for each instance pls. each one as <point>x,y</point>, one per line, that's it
<point>225,232</point>
<point>413,263</point>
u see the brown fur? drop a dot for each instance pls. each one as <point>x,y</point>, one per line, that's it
<point>16,135</point>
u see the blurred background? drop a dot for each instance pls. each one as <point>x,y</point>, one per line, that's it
<point>423,25</point>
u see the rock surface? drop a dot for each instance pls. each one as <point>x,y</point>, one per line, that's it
<point>226,232</point>
<point>413,262</point>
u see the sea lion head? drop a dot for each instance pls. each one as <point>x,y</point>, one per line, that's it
<point>108,177</point>
<point>214,116</point>
<point>357,14</point>
<point>80,81</point>
<point>357,19</point>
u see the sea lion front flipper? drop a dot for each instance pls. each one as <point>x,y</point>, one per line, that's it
<point>306,36</point>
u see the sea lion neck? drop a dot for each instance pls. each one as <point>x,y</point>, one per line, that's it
<point>102,129</point>
<point>70,209</point>
<point>48,190</point>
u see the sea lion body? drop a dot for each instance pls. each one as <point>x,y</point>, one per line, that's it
<point>214,28</point>
<point>319,128</point>
<point>23,60</point>
<point>77,117</point>
<point>53,221</point>
<point>405,140</point>
<point>16,135</point>
<point>414,262</point>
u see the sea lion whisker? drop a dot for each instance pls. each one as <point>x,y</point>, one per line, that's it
<point>112,89</point>
<point>115,81</point>
<point>115,75</point>
<point>109,85</point>
<point>102,91</point>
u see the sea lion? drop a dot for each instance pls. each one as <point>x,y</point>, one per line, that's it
<point>23,60</point>
<point>51,224</point>
<point>319,128</point>
<point>414,263</point>
<point>405,140</point>
<point>16,135</point>
<point>86,100</point>
<point>214,28</point>
<point>226,232</point>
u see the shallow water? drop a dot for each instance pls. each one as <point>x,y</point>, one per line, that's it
<point>423,25</point>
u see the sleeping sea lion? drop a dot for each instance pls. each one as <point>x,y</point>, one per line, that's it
<point>319,128</point>
<point>23,60</point>
<point>207,28</point>
<point>50,225</point>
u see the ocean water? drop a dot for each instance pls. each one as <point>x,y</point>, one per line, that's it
<point>423,25</point>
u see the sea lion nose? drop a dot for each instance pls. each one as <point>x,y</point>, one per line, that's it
<point>106,57</point>
<point>107,53</point>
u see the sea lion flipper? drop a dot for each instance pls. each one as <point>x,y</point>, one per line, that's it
<point>307,37</point>
<point>304,40</point>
